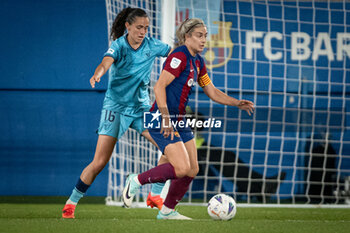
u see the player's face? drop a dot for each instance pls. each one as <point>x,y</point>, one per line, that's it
<point>196,42</point>
<point>137,30</point>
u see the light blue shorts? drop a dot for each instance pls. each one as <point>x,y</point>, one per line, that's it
<point>115,124</point>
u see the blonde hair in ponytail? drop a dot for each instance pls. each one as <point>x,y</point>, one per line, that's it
<point>187,27</point>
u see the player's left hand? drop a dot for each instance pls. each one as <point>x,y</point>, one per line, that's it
<point>246,105</point>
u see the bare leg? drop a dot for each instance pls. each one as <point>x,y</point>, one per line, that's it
<point>103,153</point>
<point>154,198</point>
<point>179,166</point>
<point>192,153</point>
<point>179,187</point>
<point>104,149</point>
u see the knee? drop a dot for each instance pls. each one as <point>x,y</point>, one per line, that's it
<point>98,165</point>
<point>194,171</point>
<point>183,170</point>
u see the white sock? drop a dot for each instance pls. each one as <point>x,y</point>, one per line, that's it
<point>136,179</point>
<point>165,210</point>
<point>71,202</point>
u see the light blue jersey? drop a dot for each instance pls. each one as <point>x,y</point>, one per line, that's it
<point>129,75</point>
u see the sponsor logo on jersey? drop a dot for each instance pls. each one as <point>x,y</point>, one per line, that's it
<point>190,82</point>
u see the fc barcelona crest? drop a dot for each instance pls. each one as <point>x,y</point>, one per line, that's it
<point>219,48</point>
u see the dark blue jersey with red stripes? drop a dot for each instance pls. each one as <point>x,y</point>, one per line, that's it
<point>187,70</point>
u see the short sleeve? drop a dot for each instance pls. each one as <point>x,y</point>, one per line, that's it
<point>175,63</point>
<point>161,49</point>
<point>113,50</point>
<point>203,79</point>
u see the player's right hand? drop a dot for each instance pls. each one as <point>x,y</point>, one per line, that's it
<point>93,80</point>
<point>167,129</point>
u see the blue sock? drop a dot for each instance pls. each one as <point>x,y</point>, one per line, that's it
<point>78,191</point>
<point>157,188</point>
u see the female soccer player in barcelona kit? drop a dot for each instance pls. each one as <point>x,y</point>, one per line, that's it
<point>130,57</point>
<point>183,67</point>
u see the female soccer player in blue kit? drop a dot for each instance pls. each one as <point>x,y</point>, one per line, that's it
<point>183,67</point>
<point>130,58</point>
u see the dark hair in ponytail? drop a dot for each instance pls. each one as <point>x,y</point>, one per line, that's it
<point>126,15</point>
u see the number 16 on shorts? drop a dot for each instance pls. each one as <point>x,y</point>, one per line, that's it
<point>109,115</point>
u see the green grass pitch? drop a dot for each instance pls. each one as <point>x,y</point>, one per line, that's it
<point>20,216</point>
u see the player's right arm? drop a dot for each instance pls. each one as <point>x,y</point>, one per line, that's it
<point>101,70</point>
<point>112,55</point>
<point>159,88</point>
<point>173,67</point>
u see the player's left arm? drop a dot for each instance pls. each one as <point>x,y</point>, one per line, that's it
<point>218,96</point>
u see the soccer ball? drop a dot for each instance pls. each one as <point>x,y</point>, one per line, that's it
<point>222,207</point>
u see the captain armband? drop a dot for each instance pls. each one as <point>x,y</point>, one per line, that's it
<point>204,80</point>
